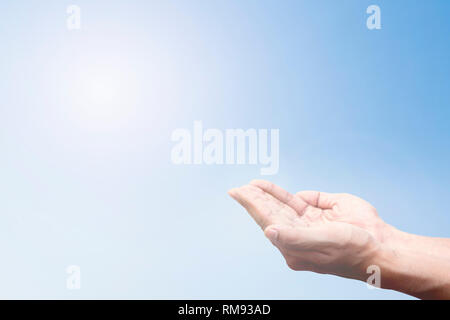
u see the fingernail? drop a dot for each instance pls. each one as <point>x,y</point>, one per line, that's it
<point>272,234</point>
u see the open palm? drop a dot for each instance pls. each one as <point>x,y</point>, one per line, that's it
<point>316,231</point>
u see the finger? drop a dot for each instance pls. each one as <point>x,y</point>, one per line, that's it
<point>321,200</point>
<point>250,201</point>
<point>297,203</point>
<point>262,207</point>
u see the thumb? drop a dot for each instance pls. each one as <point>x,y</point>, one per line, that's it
<point>282,235</point>
<point>295,238</point>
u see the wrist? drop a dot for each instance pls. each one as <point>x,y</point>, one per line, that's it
<point>409,264</point>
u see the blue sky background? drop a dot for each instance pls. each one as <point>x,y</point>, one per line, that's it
<point>359,111</point>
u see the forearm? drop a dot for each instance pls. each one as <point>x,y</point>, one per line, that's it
<point>415,265</point>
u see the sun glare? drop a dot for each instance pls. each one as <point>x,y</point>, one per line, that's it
<point>105,96</point>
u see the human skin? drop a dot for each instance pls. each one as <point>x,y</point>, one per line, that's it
<point>341,234</point>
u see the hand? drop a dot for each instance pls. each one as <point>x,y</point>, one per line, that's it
<point>342,234</point>
<point>337,234</point>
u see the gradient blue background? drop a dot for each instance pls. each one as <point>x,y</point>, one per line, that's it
<point>359,111</point>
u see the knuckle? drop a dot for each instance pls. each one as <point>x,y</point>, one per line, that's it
<point>289,242</point>
<point>293,264</point>
<point>268,186</point>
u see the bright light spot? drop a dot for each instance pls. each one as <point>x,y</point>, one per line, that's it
<point>103,90</point>
<point>105,96</point>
